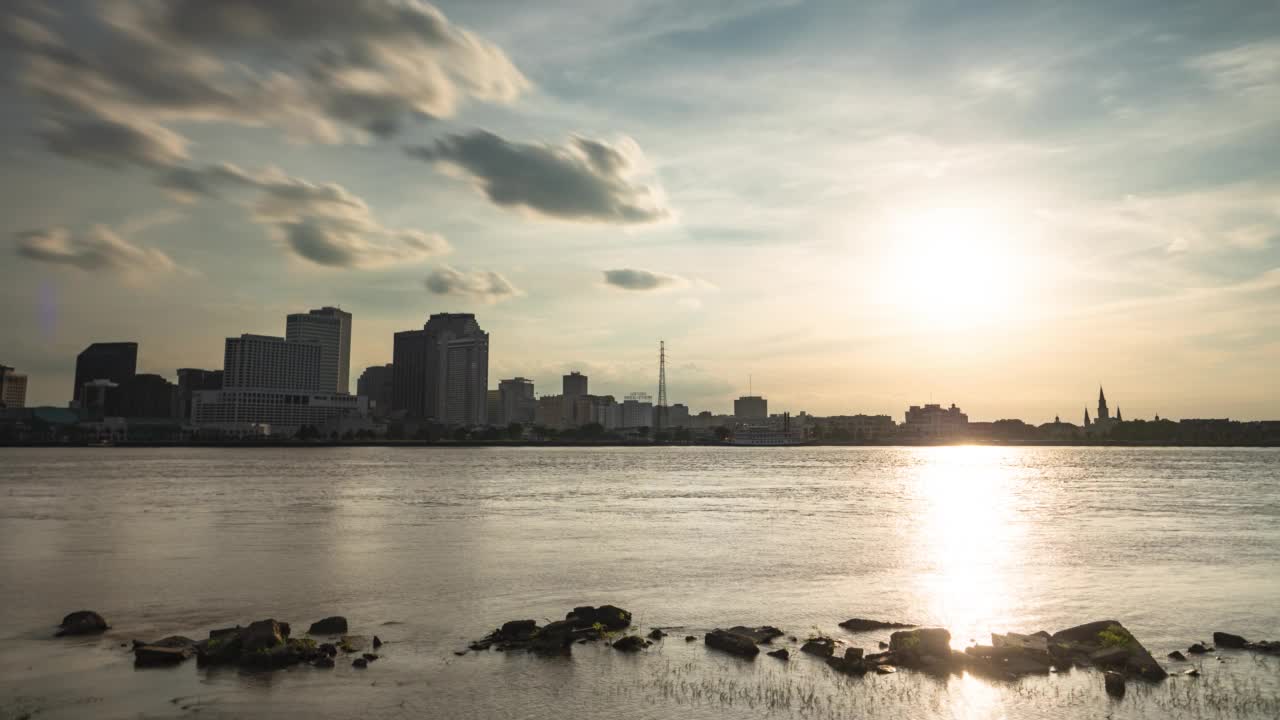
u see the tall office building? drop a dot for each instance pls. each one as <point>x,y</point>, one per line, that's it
<point>441,372</point>
<point>516,402</point>
<point>114,361</point>
<point>192,380</point>
<point>575,387</point>
<point>375,383</point>
<point>751,407</point>
<point>259,361</point>
<point>330,328</point>
<point>13,388</point>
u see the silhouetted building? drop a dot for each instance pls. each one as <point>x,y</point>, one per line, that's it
<point>375,383</point>
<point>637,410</point>
<point>145,396</point>
<point>516,402</point>
<point>261,361</point>
<point>191,380</point>
<point>1102,423</point>
<point>932,422</point>
<point>13,388</point>
<point>114,361</point>
<point>272,411</point>
<point>330,328</point>
<point>751,407</point>
<point>677,416</point>
<point>575,386</point>
<point>442,371</point>
<point>492,406</point>
<point>98,399</point>
<point>550,411</point>
<point>865,428</point>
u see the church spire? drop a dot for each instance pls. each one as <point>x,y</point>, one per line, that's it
<point>1103,413</point>
<point>1086,417</point>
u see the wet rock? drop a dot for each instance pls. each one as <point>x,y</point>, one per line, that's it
<point>1005,662</point>
<point>352,643</point>
<point>882,645</point>
<point>263,635</point>
<point>631,643</point>
<point>516,630</point>
<point>1193,672</point>
<point>1197,649</point>
<point>853,653</point>
<point>377,642</point>
<point>609,617</point>
<point>1108,644</point>
<point>764,634</point>
<point>335,625</point>
<point>1015,641</point>
<point>656,634</point>
<point>732,643</point>
<point>369,656</point>
<point>690,638</point>
<point>328,649</point>
<point>323,661</point>
<point>781,654</point>
<point>1175,655</point>
<point>81,622</point>
<point>820,646</point>
<point>1271,647</point>
<point>912,646</point>
<point>161,655</point>
<point>864,625</point>
<point>1227,640</point>
<point>360,663</point>
<point>459,653</point>
<point>1114,683</point>
<point>851,664</point>
<point>554,639</point>
<point>885,669</point>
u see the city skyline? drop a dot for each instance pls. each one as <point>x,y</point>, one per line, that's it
<point>862,206</point>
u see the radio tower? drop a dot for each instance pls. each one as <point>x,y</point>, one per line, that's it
<point>662,387</point>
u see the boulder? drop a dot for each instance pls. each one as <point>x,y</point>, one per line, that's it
<point>1175,655</point>
<point>369,656</point>
<point>885,669</point>
<point>1006,663</point>
<point>610,617</point>
<point>1271,647</point>
<point>516,630</point>
<point>1192,672</point>
<point>764,634</point>
<point>820,646</point>
<point>1197,649</point>
<point>377,642</point>
<point>161,655</point>
<point>1108,644</point>
<point>360,663</point>
<point>631,643</point>
<point>81,622</point>
<point>690,638</point>
<point>848,665</point>
<point>262,635</point>
<point>328,649</point>
<point>1016,641</point>
<point>864,625</point>
<point>921,642</point>
<point>732,643</point>
<point>554,639</point>
<point>1227,640</point>
<point>853,653</point>
<point>781,654</point>
<point>656,634</point>
<point>1114,683</point>
<point>336,625</point>
<point>323,661</point>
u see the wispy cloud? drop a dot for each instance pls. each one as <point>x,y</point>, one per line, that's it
<point>633,279</point>
<point>100,249</point>
<point>483,285</point>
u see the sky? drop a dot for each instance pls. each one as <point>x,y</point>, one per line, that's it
<point>845,207</point>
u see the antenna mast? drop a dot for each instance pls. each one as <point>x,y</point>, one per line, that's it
<point>661,415</point>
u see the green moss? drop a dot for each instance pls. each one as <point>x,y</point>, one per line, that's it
<point>302,643</point>
<point>1114,636</point>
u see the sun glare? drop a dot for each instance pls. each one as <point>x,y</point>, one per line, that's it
<point>953,268</point>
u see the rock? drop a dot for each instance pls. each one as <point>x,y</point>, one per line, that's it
<point>328,649</point>
<point>262,635</point>
<point>161,655</point>
<point>336,625</point>
<point>369,656</point>
<point>1197,649</point>
<point>1175,655</point>
<point>853,653</point>
<point>323,661</point>
<point>820,646</point>
<point>882,645</point>
<point>554,639</point>
<point>690,638</point>
<point>1271,647</point>
<point>81,622</point>
<point>630,643</point>
<point>781,654</point>
<point>732,643</point>
<point>1193,672</point>
<point>848,666</point>
<point>1227,640</point>
<point>360,663</point>
<point>352,643</point>
<point>885,669</point>
<point>1108,644</point>
<point>761,635</point>
<point>516,630</point>
<point>656,634</point>
<point>1030,643</point>
<point>1114,683</point>
<point>377,642</point>
<point>863,625</point>
<point>610,617</point>
<point>915,644</point>
<point>459,653</point>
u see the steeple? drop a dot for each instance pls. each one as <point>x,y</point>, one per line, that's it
<point>1086,417</point>
<point>1119,417</point>
<point>1103,414</point>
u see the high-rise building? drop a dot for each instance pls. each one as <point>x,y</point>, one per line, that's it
<point>13,388</point>
<point>375,384</point>
<point>677,416</point>
<point>516,402</point>
<point>114,361</point>
<point>933,422</point>
<point>751,407</point>
<point>575,386</point>
<point>260,361</point>
<point>441,372</point>
<point>192,380</point>
<point>330,328</point>
<point>637,410</point>
<point>146,396</point>
<point>492,406</point>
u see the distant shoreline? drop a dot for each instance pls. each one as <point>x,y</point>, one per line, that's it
<point>613,443</point>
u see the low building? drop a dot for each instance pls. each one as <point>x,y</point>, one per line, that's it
<point>637,410</point>
<point>863,428</point>
<point>751,407</point>
<point>516,401</point>
<point>283,410</point>
<point>376,383</point>
<point>932,422</point>
<point>550,412</point>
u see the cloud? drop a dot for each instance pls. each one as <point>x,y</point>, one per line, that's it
<point>99,249</point>
<point>323,223</point>
<point>585,180</point>
<point>485,286</point>
<point>631,279</point>
<point>324,71</point>
<point>109,143</point>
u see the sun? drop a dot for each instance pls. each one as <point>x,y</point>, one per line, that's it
<point>953,268</point>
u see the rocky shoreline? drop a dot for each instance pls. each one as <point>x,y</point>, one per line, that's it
<point>1104,645</point>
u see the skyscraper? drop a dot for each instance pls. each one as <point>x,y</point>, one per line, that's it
<point>751,407</point>
<point>330,328</point>
<point>441,372</point>
<point>259,361</point>
<point>516,402</point>
<point>114,361</point>
<point>375,383</point>
<point>13,388</point>
<point>575,387</point>
<point>191,380</point>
